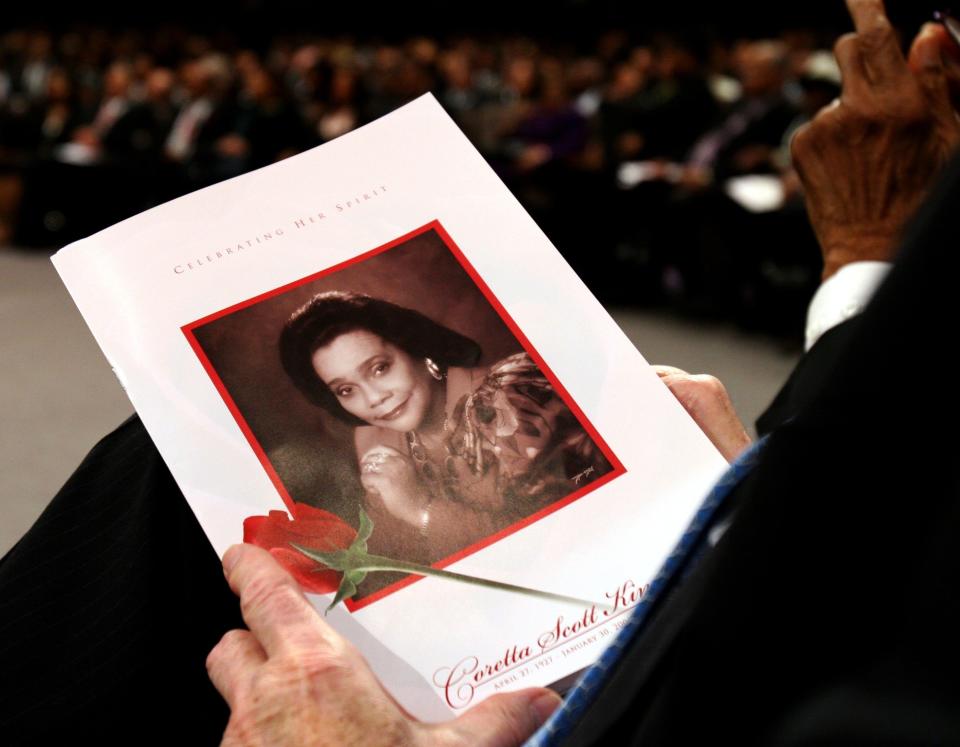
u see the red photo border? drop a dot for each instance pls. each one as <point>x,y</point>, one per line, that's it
<point>617,467</point>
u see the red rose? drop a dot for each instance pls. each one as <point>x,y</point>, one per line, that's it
<point>310,527</point>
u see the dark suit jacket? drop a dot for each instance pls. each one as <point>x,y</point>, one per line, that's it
<point>828,613</point>
<point>108,608</point>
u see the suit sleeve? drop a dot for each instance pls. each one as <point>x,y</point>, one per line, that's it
<point>808,378</point>
<point>109,606</point>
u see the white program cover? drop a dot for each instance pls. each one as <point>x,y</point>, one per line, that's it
<point>377,325</point>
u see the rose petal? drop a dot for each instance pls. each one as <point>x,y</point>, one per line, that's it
<point>304,511</point>
<point>313,528</point>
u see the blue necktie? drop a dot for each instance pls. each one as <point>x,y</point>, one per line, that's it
<point>684,555</point>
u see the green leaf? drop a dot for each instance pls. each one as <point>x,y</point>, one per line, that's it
<point>347,589</point>
<point>366,529</point>
<point>350,562</point>
<point>357,576</point>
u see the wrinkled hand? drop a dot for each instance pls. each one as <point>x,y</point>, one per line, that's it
<point>392,476</point>
<point>291,680</point>
<point>867,160</point>
<point>707,402</point>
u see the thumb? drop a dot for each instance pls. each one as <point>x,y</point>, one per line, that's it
<point>932,62</point>
<point>504,720</point>
<point>926,63</point>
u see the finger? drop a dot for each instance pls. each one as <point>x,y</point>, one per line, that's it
<point>396,459</point>
<point>949,53</point>
<point>272,604</point>
<point>949,49</point>
<point>798,152</point>
<point>877,39</point>
<point>927,64</point>
<point>233,661</point>
<point>662,371</point>
<point>371,467</point>
<point>504,720</point>
<point>677,384</point>
<point>853,74</point>
<point>867,14</point>
<point>706,400</point>
<point>379,452</point>
<point>807,145</point>
<point>929,47</point>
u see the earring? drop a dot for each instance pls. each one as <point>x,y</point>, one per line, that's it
<point>433,368</point>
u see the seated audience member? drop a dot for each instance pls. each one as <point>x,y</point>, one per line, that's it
<point>747,136</point>
<point>707,248</point>
<point>264,127</point>
<point>201,120</point>
<point>114,104</point>
<point>29,135</point>
<point>826,612</point>
<point>139,134</point>
<point>789,631</point>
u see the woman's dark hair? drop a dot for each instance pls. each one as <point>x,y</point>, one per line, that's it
<point>326,316</point>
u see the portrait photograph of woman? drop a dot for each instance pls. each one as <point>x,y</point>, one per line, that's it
<point>393,385</point>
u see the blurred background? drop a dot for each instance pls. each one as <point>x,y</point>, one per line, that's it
<point>649,141</point>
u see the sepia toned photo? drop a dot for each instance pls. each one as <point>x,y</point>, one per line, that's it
<point>395,385</point>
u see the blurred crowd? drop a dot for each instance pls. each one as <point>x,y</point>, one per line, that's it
<point>658,165</point>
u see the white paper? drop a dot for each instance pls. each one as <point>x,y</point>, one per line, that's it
<point>438,645</point>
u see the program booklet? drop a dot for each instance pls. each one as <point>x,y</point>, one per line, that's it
<point>369,360</point>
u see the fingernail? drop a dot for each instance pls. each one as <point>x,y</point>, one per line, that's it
<point>230,558</point>
<point>544,704</point>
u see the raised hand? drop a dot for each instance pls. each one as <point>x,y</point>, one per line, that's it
<point>867,160</point>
